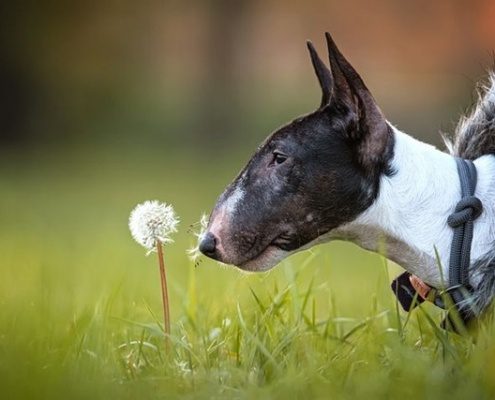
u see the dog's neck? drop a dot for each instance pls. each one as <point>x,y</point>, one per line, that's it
<point>407,221</point>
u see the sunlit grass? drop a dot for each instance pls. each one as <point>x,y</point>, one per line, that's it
<point>81,315</point>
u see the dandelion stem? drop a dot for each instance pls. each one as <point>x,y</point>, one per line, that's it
<point>166,310</point>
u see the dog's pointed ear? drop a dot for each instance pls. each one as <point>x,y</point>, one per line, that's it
<point>372,134</point>
<point>323,74</point>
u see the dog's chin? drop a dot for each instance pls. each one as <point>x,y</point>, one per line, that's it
<point>273,255</point>
<point>266,260</point>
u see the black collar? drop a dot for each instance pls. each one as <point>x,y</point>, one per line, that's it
<point>462,221</point>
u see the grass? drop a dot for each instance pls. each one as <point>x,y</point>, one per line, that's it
<point>80,303</point>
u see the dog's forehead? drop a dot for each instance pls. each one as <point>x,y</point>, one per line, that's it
<point>290,136</point>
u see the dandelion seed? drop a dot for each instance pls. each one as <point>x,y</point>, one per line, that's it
<point>151,224</point>
<point>194,253</point>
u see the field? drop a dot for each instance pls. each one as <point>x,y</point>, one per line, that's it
<point>80,311</point>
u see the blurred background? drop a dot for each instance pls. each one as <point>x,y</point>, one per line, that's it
<point>213,75</point>
<point>106,104</point>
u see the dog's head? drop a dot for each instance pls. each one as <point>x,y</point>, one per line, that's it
<point>309,177</point>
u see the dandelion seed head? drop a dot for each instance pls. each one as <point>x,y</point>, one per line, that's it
<point>153,221</point>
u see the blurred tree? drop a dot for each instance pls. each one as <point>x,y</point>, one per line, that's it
<point>16,83</point>
<point>218,95</point>
<point>16,102</point>
<point>72,71</point>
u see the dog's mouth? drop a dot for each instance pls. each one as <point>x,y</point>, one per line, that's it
<point>283,242</point>
<point>278,249</point>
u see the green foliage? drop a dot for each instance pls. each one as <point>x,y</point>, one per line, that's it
<point>80,303</point>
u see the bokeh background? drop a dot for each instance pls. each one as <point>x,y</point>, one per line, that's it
<point>107,104</point>
<point>217,74</point>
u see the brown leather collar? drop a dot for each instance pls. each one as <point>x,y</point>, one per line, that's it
<point>421,288</point>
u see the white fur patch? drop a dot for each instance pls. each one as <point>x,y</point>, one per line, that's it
<point>233,200</point>
<point>409,218</point>
<point>223,217</point>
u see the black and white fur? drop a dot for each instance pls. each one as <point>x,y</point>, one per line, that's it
<point>344,172</point>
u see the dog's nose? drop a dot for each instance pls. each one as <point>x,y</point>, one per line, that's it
<point>208,245</point>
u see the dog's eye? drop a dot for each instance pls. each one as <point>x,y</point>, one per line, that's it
<point>278,158</point>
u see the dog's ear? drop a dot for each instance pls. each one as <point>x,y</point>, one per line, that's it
<point>323,74</point>
<point>372,133</point>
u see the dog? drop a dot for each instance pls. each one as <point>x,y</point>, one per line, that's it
<point>344,172</point>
